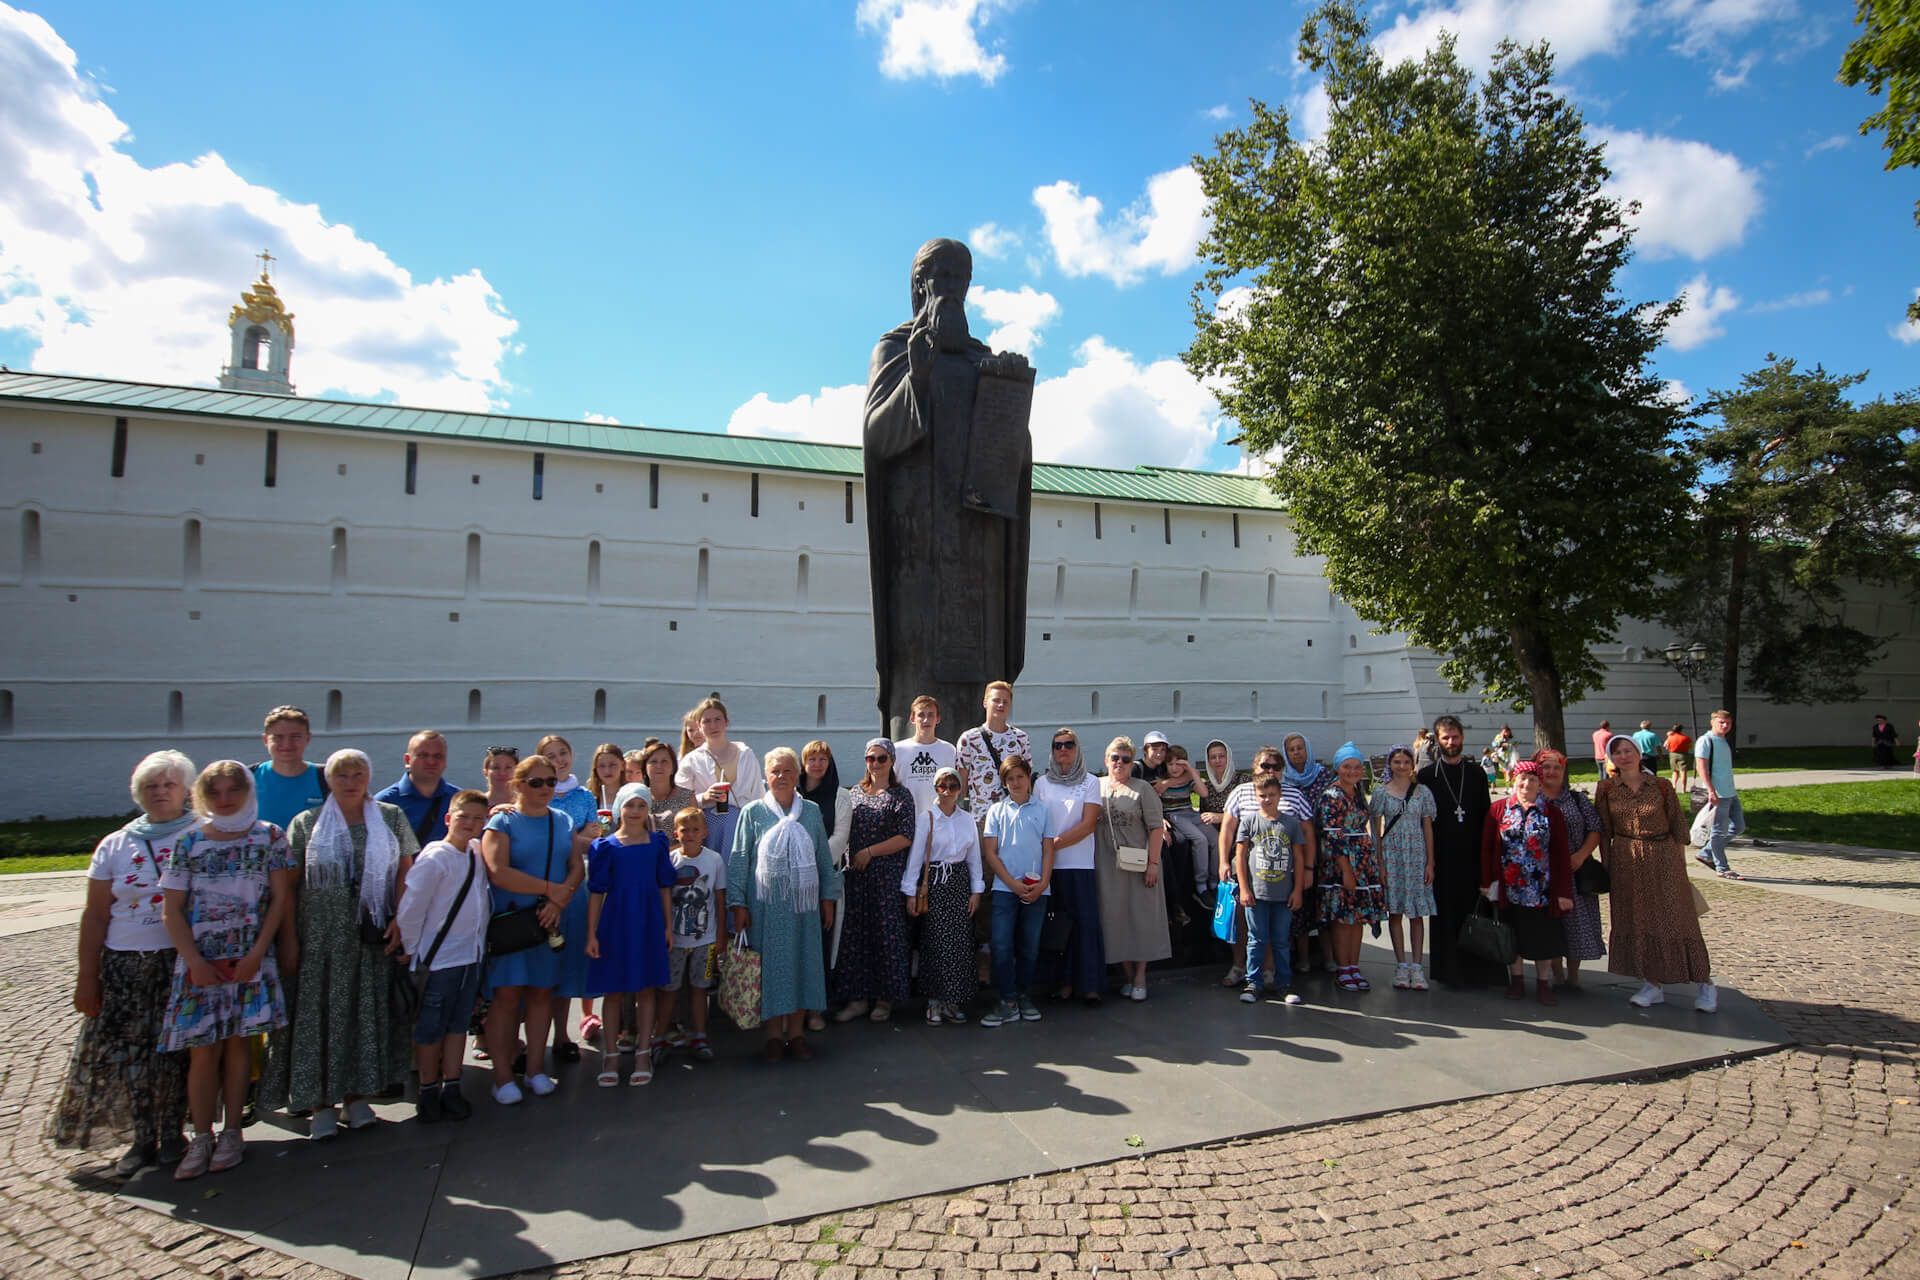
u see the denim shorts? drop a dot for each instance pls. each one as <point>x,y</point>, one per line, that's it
<point>447,1003</point>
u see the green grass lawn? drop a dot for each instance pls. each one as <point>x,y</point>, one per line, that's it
<point>1880,815</point>
<point>1779,759</point>
<point>57,845</point>
<point>44,862</point>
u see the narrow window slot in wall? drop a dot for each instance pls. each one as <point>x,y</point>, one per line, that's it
<point>119,447</point>
<point>413,466</point>
<point>273,458</point>
<point>6,713</point>
<point>1059,586</point>
<point>593,571</point>
<point>339,582</point>
<point>599,706</point>
<point>176,711</point>
<point>849,502</point>
<point>800,582</point>
<point>1166,525</point>
<point>1206,585</point>
<point>341,469</point>
<point>753,499</point>
<point>1366,675</point>
<point>1133,593</point>
<point>653,486</point>
<point>1176,704</point>
<point>539,476</point>
<point>1236,530</point>
<point>820,712</point>
<point>190,555</point>
<point>700,582</point>
<point>30,545</point>
<point>1094,704</point>
<point>335,704</point>
<point>1353,641</point>
<point>1096,521</point>
<point>1323,704</point>
<point>473,706</point>
<point>1253,704</point>
<point>1273,593</point>
<point>473,563</point>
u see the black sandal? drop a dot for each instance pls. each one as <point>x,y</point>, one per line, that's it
<point>566,1051</point>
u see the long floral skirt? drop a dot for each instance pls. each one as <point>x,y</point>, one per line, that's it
<point>947,970</point>
<point>875,960</point>
<point>118,1088</point>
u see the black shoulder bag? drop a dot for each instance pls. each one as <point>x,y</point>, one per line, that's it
<point>520,928</point>
<point>410,989</point>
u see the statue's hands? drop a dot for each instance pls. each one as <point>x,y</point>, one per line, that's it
<point>920,343</point>
<point>1007,364</point>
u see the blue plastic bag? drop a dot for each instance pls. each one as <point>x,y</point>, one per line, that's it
<point>1226,911</point>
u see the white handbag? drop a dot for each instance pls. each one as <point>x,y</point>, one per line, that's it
<point>1129,857</point>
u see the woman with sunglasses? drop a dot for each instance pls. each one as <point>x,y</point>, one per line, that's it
<point>946,854</point>
<point>1072,799</point>
<point>531,861</point>
<point>1133,908</point>
<point>874,971</point>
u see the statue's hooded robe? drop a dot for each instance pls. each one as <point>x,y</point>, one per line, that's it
<point>949,582</point>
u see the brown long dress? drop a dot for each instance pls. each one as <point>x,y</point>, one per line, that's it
<point>1656,935</point>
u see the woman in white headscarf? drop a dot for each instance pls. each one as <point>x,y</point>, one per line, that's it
<point>782,887</point>
<point>346,1042</point>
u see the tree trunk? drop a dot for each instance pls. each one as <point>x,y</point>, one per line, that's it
<point>1736,596</point>
<point>1533,654</point>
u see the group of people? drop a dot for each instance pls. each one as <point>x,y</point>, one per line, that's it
<point>282,935</point>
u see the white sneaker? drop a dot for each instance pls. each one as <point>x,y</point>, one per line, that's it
<point>1416,978</point>
<point>542,1085</point>
<point>507,1094</point>
<point>325,1124</point>
<point>1402,977</point>
<point>1708,999</point>
<point>1647,996</point>
<point>1126,991</point>
<point>1138,993</point>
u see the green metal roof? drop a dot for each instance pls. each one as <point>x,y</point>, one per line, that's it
<point>1161,485</point>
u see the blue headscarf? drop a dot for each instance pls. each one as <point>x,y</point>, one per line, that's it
<point>1291,775</point>
<point>1347,752</point>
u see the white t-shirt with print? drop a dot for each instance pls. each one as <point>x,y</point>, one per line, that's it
<point>695,922</point>
<point>135,923</point>
<point>915,763</point>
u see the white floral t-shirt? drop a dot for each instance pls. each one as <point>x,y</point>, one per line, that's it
<point>134,868</point>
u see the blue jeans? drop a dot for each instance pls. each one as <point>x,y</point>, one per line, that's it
<point>1016,942</point>
<point>1269,928</point>
<point>1712,828</point>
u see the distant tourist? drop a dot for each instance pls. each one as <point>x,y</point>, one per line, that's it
<point>1582,923</point>
<point>443,926</point>
<point>1885,739</point>
<point>226,887</point>
<point>1679,755</point>
<point>1656,931</point>
<point>1403,812</point>
<point>1524,862</point>
<point>1721,818</point>
<point>1133,906</point>
<point>782,887</point>
<point>423,791</point>
<point>1600,739</point>
<point>117,1088</point>
<point>1649,743</point>
<point>924,754</point>
<point>983,748</point>
<point>874,969</point>
<point>345,1043</point>
<point>1423,749</point>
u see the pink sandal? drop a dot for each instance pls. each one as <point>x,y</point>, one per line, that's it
<point>590,1028</point>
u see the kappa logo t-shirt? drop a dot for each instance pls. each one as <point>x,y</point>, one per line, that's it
<point>915,763</point>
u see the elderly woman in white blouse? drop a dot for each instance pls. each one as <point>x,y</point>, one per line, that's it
<point>943,883</point>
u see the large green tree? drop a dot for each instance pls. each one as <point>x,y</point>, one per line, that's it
<point>1804,493</point>
<point>1885,56</point>
<point>1420,317</point>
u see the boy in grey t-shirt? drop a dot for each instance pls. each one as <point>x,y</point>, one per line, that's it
<point>1265,850</point>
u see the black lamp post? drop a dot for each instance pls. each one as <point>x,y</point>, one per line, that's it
<point>1688,660</point>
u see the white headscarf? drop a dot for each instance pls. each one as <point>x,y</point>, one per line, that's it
<point>235,823</point>
<point>1220,783</point>
<point>330,848</point>
<point>785,872</point>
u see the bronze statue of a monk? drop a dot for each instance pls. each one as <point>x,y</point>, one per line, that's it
<point>949,467</point>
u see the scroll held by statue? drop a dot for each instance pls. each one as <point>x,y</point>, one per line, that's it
<point>998,446</point>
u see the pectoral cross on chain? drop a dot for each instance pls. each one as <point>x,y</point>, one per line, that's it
<point>1460,813</point>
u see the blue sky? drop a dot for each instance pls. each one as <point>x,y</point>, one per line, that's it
<point>703,219</point>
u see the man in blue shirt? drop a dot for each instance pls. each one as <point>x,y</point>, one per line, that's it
<point>285,783</point>
<point>1720,819</point>
<point>423,791</point>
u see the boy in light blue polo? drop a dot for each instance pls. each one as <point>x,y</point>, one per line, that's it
<point>1016,847</point>
<point>1721,819</point>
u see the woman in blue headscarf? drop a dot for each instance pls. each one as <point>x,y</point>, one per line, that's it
<point>1354,893</point>
<point>1302,780</point>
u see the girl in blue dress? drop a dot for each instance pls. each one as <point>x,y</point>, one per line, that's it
<point>630,878</point>
<point>531,861</point>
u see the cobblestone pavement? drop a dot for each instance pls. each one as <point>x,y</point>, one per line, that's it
<point>1888,873</point>
<point>1796,1163</point>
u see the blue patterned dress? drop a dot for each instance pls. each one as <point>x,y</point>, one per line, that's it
<point>1343,832</point>
<point>1584,940</point>
<point>793,968</point>
<point>226,880</point>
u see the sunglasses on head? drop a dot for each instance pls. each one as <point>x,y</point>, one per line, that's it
<point>539,782</point>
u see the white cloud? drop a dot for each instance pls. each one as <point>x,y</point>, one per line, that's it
<point>832,417</point>
<point>1158,233</point>
<point>111,267</point>
<point>1907,331</point>
<point>1699,319</point>
<point>1693,199</point>
<point>1807,298</point>
<point>1309,113</point>
<point>1220,111</point>
<point>600,419</point>
<point>1677,394</point>
<point>1019,314</point>
<point>1734,76</point>
<point>1109,409</point>
<point>992,240</point>
<point>1232,303</point>
<point>1832,142</point>
<point>1577,29</point>
<point>1705,24</point>
<point>938,38</point>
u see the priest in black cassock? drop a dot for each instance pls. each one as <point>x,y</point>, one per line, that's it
<point>1461,801</point>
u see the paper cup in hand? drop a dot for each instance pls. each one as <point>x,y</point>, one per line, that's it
<point>720,802</point>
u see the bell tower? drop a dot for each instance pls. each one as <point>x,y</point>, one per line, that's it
<point>262,339</point>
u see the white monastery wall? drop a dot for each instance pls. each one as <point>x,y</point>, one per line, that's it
<point>172,605</point>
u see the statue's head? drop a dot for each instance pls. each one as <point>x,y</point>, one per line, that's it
<point>943,267</point>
